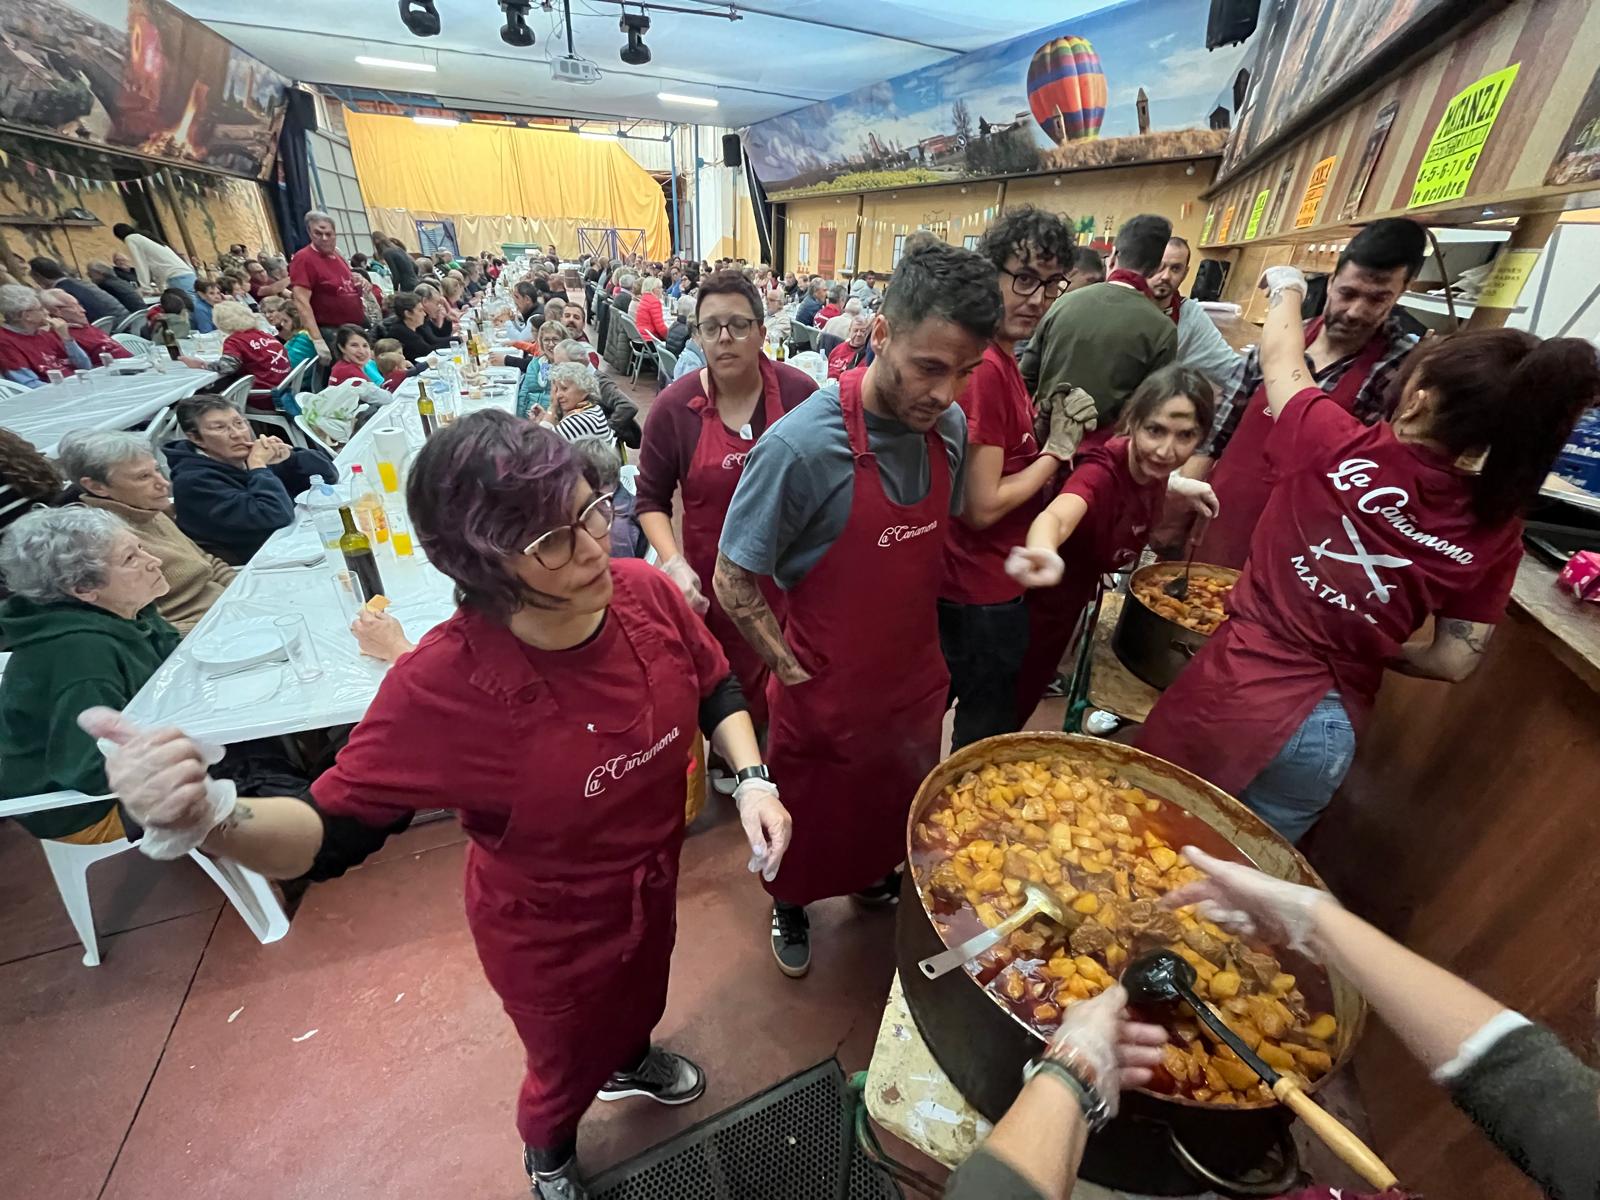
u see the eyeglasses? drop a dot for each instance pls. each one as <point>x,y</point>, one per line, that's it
<point>554,548</point>
<point>738,329</point>
<point>1027,283</point>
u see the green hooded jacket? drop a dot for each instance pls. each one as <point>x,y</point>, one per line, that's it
<point>65,657</point>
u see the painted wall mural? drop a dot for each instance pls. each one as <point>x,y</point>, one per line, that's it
<point>138,75</point>
<point>1131,83</point>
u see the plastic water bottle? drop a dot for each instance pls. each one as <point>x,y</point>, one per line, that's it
<point>323,504</point>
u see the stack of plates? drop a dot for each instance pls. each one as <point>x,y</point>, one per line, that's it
<point>236,648</point>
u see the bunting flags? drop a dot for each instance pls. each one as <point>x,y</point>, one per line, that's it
<point>195,185</point>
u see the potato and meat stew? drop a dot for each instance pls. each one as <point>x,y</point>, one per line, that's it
<point>1109,851</point>
<point>1200,611</point>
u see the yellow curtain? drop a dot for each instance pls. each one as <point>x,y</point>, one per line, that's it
<point>496,173</point>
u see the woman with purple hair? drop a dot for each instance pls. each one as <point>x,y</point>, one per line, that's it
<point>554,712</point>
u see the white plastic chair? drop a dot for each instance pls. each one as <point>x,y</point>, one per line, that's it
<point>11,388</point>
<point>314,435</point>
<point>277,418</point>
<point>105,324</point>
<point>249,893</point>
<point>163,428</point>
<point>134,344</point>
<point>238,391</point>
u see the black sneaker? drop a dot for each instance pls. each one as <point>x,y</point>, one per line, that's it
<point>791,939</point>
<point>560,1184</point>
<point>664,1077</point>
<point>881,894</point>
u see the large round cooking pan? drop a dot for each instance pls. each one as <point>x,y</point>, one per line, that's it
<point>982,1045</point>
<point>1154,647</point>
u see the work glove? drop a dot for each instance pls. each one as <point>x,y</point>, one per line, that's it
<point>1034,568</point>
<point>1196,493</point>
<point>1249,903</point>
<point>1282,279</point>
<point>681,573</point>
<point>160,777</point>
<point>1098,1038</point>
<point>767,825</point>
<point>1072,415</point>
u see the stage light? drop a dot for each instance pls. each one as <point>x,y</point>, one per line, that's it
<point>675,98</point>
<point>635,53</point>
<point>366,60</point>
<point>420,17</point>
<point>515,31</point>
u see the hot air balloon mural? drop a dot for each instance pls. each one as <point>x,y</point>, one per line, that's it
<point>1067,89</point>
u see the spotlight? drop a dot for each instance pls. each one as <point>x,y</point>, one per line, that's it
<point>420,17</point>
<point>515,31</point>
<point>635,53</point>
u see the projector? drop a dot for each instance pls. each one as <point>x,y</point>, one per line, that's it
<point>569,68</point>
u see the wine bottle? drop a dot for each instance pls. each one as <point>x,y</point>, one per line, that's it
<point>425,411</point>
<point>358,556</point>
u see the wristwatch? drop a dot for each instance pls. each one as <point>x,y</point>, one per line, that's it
<point>759,771</point>
<point>1068,1066</point>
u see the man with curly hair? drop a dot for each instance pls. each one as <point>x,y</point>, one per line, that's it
<point>983,622</point>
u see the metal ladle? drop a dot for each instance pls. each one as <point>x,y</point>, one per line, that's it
<point>1041,903</point>
<point>1162,977</point>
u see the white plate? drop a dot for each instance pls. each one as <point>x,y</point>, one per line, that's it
<point>237,648</point>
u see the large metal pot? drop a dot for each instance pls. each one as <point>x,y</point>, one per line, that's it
<point>1159,1144</point>
<point>1153,647</point>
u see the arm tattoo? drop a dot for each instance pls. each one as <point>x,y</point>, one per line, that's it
<point>742,600</point>
<point>241,813</point>
<point>1464,631</point>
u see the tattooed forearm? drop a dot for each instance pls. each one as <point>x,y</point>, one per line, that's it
<point>1474,637</point>
<point>742,600</point>
<point>240,814</point>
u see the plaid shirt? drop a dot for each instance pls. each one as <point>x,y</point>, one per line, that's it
<point>1372,402</point>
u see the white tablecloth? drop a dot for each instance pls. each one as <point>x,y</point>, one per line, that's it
<point>269,700</point>
<point>46,414</point>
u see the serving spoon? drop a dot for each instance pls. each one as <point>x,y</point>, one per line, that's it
<point>1162,977</point>
<point>1041,903</point>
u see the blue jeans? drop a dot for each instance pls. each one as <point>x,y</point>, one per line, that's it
<point>1293,789</point>
<point>182,283</point>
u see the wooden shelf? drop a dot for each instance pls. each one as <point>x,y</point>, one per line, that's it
<point>1436,304</point>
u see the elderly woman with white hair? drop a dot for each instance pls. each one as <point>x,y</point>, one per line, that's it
<point>839,326</point>
<point>575,410</point>
<point>119,475</point>
<point>32,342</point>
<point>83,629</point>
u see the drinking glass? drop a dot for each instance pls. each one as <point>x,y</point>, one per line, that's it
<point>352,596</point>
<point>295,635</point>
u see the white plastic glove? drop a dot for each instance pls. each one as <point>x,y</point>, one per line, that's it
<point>1196,493</point>
<point>767,825</point>
<point>1251,903</point>
<point>681,573</point>
<point>1034,568</point>
<point>1282,279</point>
<point>1117,1052</point>
<point>160,777</point>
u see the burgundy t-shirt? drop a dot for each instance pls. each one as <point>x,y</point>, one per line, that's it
<point>1366,536</point>
<point>335,292</point>
<point>259,354</point>
<point>40,352</point>
<point>1121,510</point>
<point>999,413</point>
<point>95,341</point>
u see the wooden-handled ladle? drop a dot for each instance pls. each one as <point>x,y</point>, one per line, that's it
<point>1162,977</point>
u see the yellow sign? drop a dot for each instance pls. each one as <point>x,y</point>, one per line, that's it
<point>1452,154</point>
<point>1211,219</point>
<point>1506,281</point>
<point>1227,223</point>
<point>1256,210</point>
<point>1316,189</point>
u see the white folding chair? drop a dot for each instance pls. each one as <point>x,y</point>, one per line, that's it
<point>643,351</point>
<point>238,391</point>
<point>666,364</point>
<point>314,435</point>
<point>277,418</point>
<point>162,428</point>
<point>134,320</point>
<point>105,324</point>
<point>9,388</point>
<point>133,343</point>
<point>249,893</point>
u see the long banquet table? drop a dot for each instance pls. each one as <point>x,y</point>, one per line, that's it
<point>268,700</point>
<point>45,415</point>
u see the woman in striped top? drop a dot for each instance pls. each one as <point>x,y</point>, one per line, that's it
<point>575,410</point>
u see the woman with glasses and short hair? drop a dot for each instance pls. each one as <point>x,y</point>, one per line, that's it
<point>555,712</point>
<point>700,429</point>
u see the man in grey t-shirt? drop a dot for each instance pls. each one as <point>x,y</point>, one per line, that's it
<point>844,502</point>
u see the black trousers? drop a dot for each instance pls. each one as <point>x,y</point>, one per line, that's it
<point>983,646</point>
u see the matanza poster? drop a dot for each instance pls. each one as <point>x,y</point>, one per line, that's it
<point>138,75</point>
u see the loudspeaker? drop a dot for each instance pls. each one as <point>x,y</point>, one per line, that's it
<point>1231,21</point>
<point>304,107</point>
<point>731,157</point>
<point>1209,277</point>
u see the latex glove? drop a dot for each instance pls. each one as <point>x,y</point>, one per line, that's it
<point>1248,902</point>
<point>380,636</point>
<point>767,825</point>
<point>1282,279</point>
<point>1117,1052</point>
<point>1196,493</point>
<point>160,777</point>
<point>1071,416</point>
<point>681,573</point>
<point>1034,568</point>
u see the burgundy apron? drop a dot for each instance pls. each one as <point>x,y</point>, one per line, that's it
<point>850,746</point>
<point>707,490</point>
<point>578,952</point>
<point>1243,478</point>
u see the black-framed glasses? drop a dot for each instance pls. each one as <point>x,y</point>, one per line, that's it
<point>554,548</point>
<point>1026,283</point>
<point>738,329</point>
